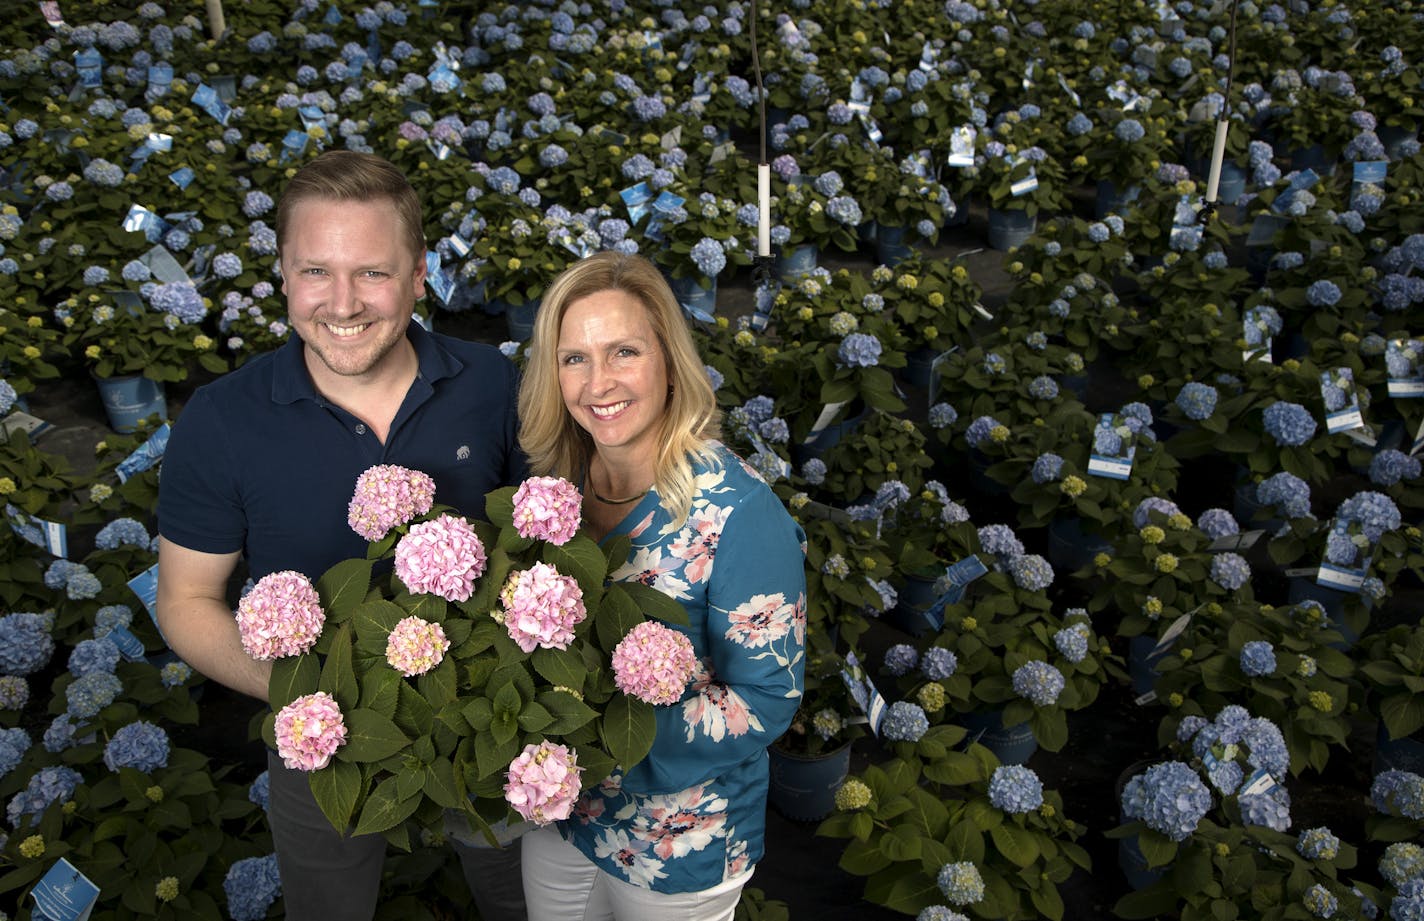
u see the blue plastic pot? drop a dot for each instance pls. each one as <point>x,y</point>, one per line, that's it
<point>131,398</point>
<point>1011,228</point>
<point>1010,744</point>
<point>797,261</point>
<point>520,318</point>
<point>803,787</point>
<point>1113,200</point>
<point>1069,548</point>
<point>891,247</point>
<point>695,298</point>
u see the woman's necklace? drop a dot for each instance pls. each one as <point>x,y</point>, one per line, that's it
<point>588,483</point>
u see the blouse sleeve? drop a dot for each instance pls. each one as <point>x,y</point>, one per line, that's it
<point>756,637</point>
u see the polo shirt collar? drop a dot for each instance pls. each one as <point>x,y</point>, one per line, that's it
<point>291,383</point>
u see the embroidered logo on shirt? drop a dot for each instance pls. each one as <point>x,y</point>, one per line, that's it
<point>462,453</point>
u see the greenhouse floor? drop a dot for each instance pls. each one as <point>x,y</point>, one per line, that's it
<point>800,868</point>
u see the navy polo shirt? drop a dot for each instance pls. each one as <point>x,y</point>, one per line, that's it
<point>258,461</point>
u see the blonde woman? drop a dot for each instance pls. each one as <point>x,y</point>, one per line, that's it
<point>616,399</point>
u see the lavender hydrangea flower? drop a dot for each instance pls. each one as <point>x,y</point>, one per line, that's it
<point>1230,571</point>
<point>1398,793</point>
<point>1015,789</point>
<point>1047,467</point>
<point>1072,642</point>
<point>1287,492</point>
<point>1168,798</point>
<point>942,415</point>
<point>1289,424</point>
<point>901,659</point>
<point>1317,844</point>
<point>1270,809</point>
<point>1038,682</point>
<point>1197,401</point>
<point>961,882</point>
<point>859,350</point>
<point>1000,540</point>
<point>939,663</point>
<point>1375,513</point>
<point>1258,659</point>
<point>1031,572</point>
<point>905,722</point>
<point>1217,523</point>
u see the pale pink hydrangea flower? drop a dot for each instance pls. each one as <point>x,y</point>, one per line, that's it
<point>542,607</point>
<point>548,508</point>
<point>388,495</point>
<point>416,646</point>
<point>654,663</point>
<point>280,616</point>
<point>442,557</point>
<point>543,782</point>
<point>309,731</point>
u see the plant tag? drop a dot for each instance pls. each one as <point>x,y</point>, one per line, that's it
<point>1116,467</point>
<point>1405,360</point>
<point>961,146</point>
<point>1302,181</point>
<point>1256,331</point>
<point>141,220</point>
<point>65,894</point>
<point>145,586</point>
<point>638,199</point>
<point>862,691</point>
<point>458,245</point>
<point>1342,402</point>
<point>722,151</point>
<point>1364,435</point>
<point>164,267</point>
<point>20,421</point>
<point>437,278</point>
<point>1072,94</point>
<point>49,9</point>
<point>1298,572</point>
<point>928,56</point>
<point>1260,781</point>
<point>957,577</point>
<point>90,65</point>
<point>935,365</point>
<point>828,413</point>
<point>145,455</point>
<point>783,465</point>
<point>182,177</point>
<point>765,301</point>
<point>1368,177</point>
<point>333,16</point>
<point>671,139</point>
<point>979,309</point>
<point>294,144</point>
<point>1170,635</point>
<point>129,645</point>
<point>206,98</point>
<point>1145,699</point>
<point>1339,577</point>
<point>1242,541</point>
<point>1024,185</point>
<point>872,130</point>
<point>664,204</point>
<point>51,536</point>
<point>1418,440</point>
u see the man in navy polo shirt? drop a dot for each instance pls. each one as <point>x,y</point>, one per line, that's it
<point>263,461</point>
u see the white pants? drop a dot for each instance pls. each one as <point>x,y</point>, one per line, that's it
<point>561,884</point>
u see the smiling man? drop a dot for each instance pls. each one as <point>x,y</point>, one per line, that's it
<point>263,462</point>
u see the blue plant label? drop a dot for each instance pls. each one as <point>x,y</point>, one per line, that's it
<point>783,465</point>
<point>438,149</point>
<point>130,647</point>
<point>182,177</point>
<point>765,301</point>
<point>90,64</point>
<point>961,146</point>
<point>1257,335</point>
<point>141,220</point>
<point>1370,171</point>
<point>1024,185</point>
<point>1348,576</point>
<point>458,245</point>
<point>1113,466</point>
<point>1418,440</point>
<point>206,98</point>
<point>638,200</point>
<point>145,455</point>
<point>1302,181</point>
<point>957,577</point>
<point>443,75</point>
<point>294,144</point>
<point>1260,781</point>
<point>928,56</point>
<point>862,691</point>
<point>163,265</point>
<point>1170,635</point>
<point>1342,402</point>
<point>872,130</point>
<point>50,536</point>
<point>1242,541</point>
<point>1071,93</point>
<point>333,16</point>
<point>1028,74</point>
<point>1404,359</point>
<point>145,586</point>
<point>697,313</point>
<point>64,894</point>
<point>154,143</point>
<point>49,9</point>
<point>437,278</point>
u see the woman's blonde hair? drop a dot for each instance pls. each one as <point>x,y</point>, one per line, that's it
<point>555,444</point>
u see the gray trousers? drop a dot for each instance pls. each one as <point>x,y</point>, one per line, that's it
<point>327,876</point>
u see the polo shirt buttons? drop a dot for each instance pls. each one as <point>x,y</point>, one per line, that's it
<point>360,429</point>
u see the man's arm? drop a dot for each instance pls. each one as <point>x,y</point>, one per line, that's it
<point>196,621</point>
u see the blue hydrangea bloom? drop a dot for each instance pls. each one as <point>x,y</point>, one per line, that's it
<point>942,415</point>
<point>251,886</point>
<point>13,745</point>
<point>1217,523</point>
<point>1047,468</point>
<point>1072,642</point>
<point>813,471</point>
<point>1000,540</point>
<point>90,656</point>
<point>1258,658</point>
<point>259,793</point>
<point>1015,789</point>
<point>1391,466</point>
<point>1375,512</point>
<point>1270,809</point>
<point>859,350</point>
<point>120,532</point>
<point>1290,424</point>
<point>1043,387</point>
<point>14,692</point>
<point>1287,492</point>
<point>1197,401</point>
<point>1038,682</point>
<point>904,722</point>
<point>1398,793</point>
<point>140,745</point>
<point>901,659</point>
<point>938,663</point>
<point>89,694</point>
<point>1142,517</point>
<point>1317,844</point>
<point>47,786</point>
<point>1031,572</point>
<point>1230,571</point>
<point>1169,798</point>
<point>961,882</point>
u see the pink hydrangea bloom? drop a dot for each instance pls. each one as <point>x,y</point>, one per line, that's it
<point>654,663</point>
<point>416,646</point>
<point>309,730</point>
<point>280,616</point>
<point>441,557</point>
<point>548,508</point>
<point>543,782</point>
<point>542,607</point>
<point>386,496</point>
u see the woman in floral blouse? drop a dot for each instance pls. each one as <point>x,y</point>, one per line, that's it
<point>616,399</point>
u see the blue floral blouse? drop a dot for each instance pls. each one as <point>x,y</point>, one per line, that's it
<point>693,813</point>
